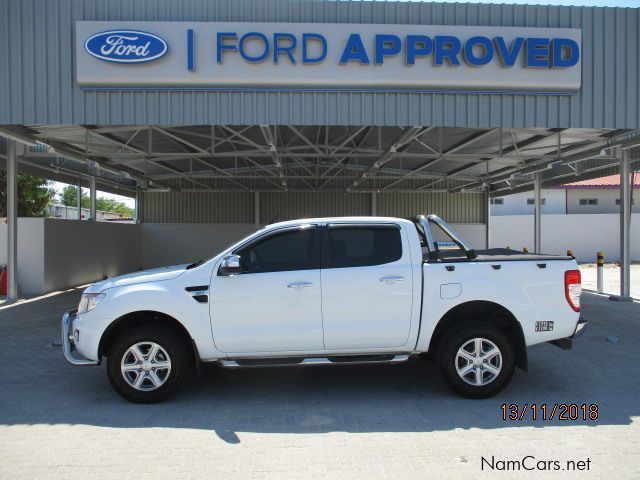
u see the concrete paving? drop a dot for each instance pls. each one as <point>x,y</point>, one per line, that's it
<point>376,422</point>
<point>611,278</point>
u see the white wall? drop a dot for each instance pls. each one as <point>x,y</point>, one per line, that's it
<point>516,204</point>
<point>584,234</point>
<point>31,272</point>
<point>606,200</point>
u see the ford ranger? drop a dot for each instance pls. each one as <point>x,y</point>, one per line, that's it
<point>349,290</point>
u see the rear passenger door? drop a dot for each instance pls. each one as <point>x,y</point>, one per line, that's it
<point>367,290</point>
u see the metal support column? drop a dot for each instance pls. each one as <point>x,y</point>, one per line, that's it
<point>487,217</point>
<point>374,204</point>
<point>13,150</point>
<point>92,198</point>
<point>79,199</point>
<point>256,208</point>
<point>537,229</point>
<point>139,206</point>
<point>625,220</point>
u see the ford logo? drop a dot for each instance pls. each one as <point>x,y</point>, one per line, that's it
<point>126,46</point>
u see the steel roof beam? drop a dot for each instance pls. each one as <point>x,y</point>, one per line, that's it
<point>270,139</point>
<point>465,143</point>
<point>175,138</point>
<point>407,135</point>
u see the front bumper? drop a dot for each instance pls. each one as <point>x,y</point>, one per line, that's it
<point>567,343</point>
<point>68,341</point>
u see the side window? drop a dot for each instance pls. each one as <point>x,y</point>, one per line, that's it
<point>281,252</point>
<point>361,246</point>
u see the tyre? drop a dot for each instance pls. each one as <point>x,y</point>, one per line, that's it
<point>477,360</point>
<point>147,363</point>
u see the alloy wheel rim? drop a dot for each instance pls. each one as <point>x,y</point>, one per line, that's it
<point>478,361</point>
<point>145,366</point>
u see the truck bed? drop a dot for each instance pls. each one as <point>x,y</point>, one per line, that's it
<point>491,255</point>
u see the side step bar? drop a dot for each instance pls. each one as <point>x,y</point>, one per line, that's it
<point>304,361</point>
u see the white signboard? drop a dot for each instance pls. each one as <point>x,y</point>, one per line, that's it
<point>322,56</point>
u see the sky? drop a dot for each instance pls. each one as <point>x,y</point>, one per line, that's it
<point>129,202</point>
<point>585,3</point>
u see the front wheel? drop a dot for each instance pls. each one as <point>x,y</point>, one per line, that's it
<point>147,364</point>
<point>477,360</point>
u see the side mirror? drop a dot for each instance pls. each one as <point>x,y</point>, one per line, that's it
<point>230,265</point>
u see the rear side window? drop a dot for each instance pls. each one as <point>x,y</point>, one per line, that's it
<point>362,246</point>
<point>281,252</point>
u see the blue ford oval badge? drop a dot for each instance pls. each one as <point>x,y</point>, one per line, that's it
<point>126,46</point>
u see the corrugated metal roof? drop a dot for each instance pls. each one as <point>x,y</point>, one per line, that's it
<point>38,86</point>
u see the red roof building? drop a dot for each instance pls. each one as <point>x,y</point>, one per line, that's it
<point>612,181</point>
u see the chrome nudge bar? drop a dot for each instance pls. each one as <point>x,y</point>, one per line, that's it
<point>67,340</point>
<point>446,228</point>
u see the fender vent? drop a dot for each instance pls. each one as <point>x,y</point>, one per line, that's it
<point>199,293</point>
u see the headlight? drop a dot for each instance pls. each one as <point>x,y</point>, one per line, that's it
<point>89,301</point>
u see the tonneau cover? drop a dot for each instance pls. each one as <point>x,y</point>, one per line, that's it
<point>492,255</point>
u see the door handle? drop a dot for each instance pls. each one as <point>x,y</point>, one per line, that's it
<point>299,285</point>
<point>391,279</point>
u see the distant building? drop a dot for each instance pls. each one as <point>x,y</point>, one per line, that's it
<point>71,213</point>
<point>598,195</point>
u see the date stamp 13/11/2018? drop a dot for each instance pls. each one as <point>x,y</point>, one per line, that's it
<point>550,411</point>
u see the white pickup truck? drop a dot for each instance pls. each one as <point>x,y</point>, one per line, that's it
<point>330,291</point>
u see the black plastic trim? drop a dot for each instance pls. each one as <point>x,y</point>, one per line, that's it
<point>198,288</point>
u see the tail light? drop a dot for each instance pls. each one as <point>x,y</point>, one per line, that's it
<point>573,288</point>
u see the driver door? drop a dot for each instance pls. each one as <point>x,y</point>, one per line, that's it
<point>274,304</point>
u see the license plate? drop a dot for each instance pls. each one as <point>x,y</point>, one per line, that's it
<point>545,326</point>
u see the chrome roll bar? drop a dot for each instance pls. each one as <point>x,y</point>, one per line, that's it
<point>446,228</point>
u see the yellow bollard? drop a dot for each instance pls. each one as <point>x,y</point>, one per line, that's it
<point>600,266</point>
<point>569,253</point>
<point>525,250</point>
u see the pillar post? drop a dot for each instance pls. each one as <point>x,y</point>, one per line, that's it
<point>374,204</point>
<point>256,208</point>
<point>487,217</point>
<point>13,150</point>
<point>140,198</point>
<point>625,220</point>
<point>79,199</point>
<point>92,198</point>
<point>537,233</point>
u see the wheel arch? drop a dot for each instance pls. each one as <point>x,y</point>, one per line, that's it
<point>486,311</point>
<point>149,317</point>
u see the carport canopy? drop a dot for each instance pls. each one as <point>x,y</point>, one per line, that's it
<point>317,158</point>
<point>128,159</point>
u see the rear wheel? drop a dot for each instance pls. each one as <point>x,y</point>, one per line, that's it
<point>147,363</point>
<point>477,360</point>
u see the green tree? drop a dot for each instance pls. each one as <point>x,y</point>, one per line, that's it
<point>69,197</point>
<point>34,194</point>
<point>113,205</point>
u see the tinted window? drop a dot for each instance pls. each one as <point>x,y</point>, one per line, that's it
<point>362,246</point>
<point>281,252</point>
